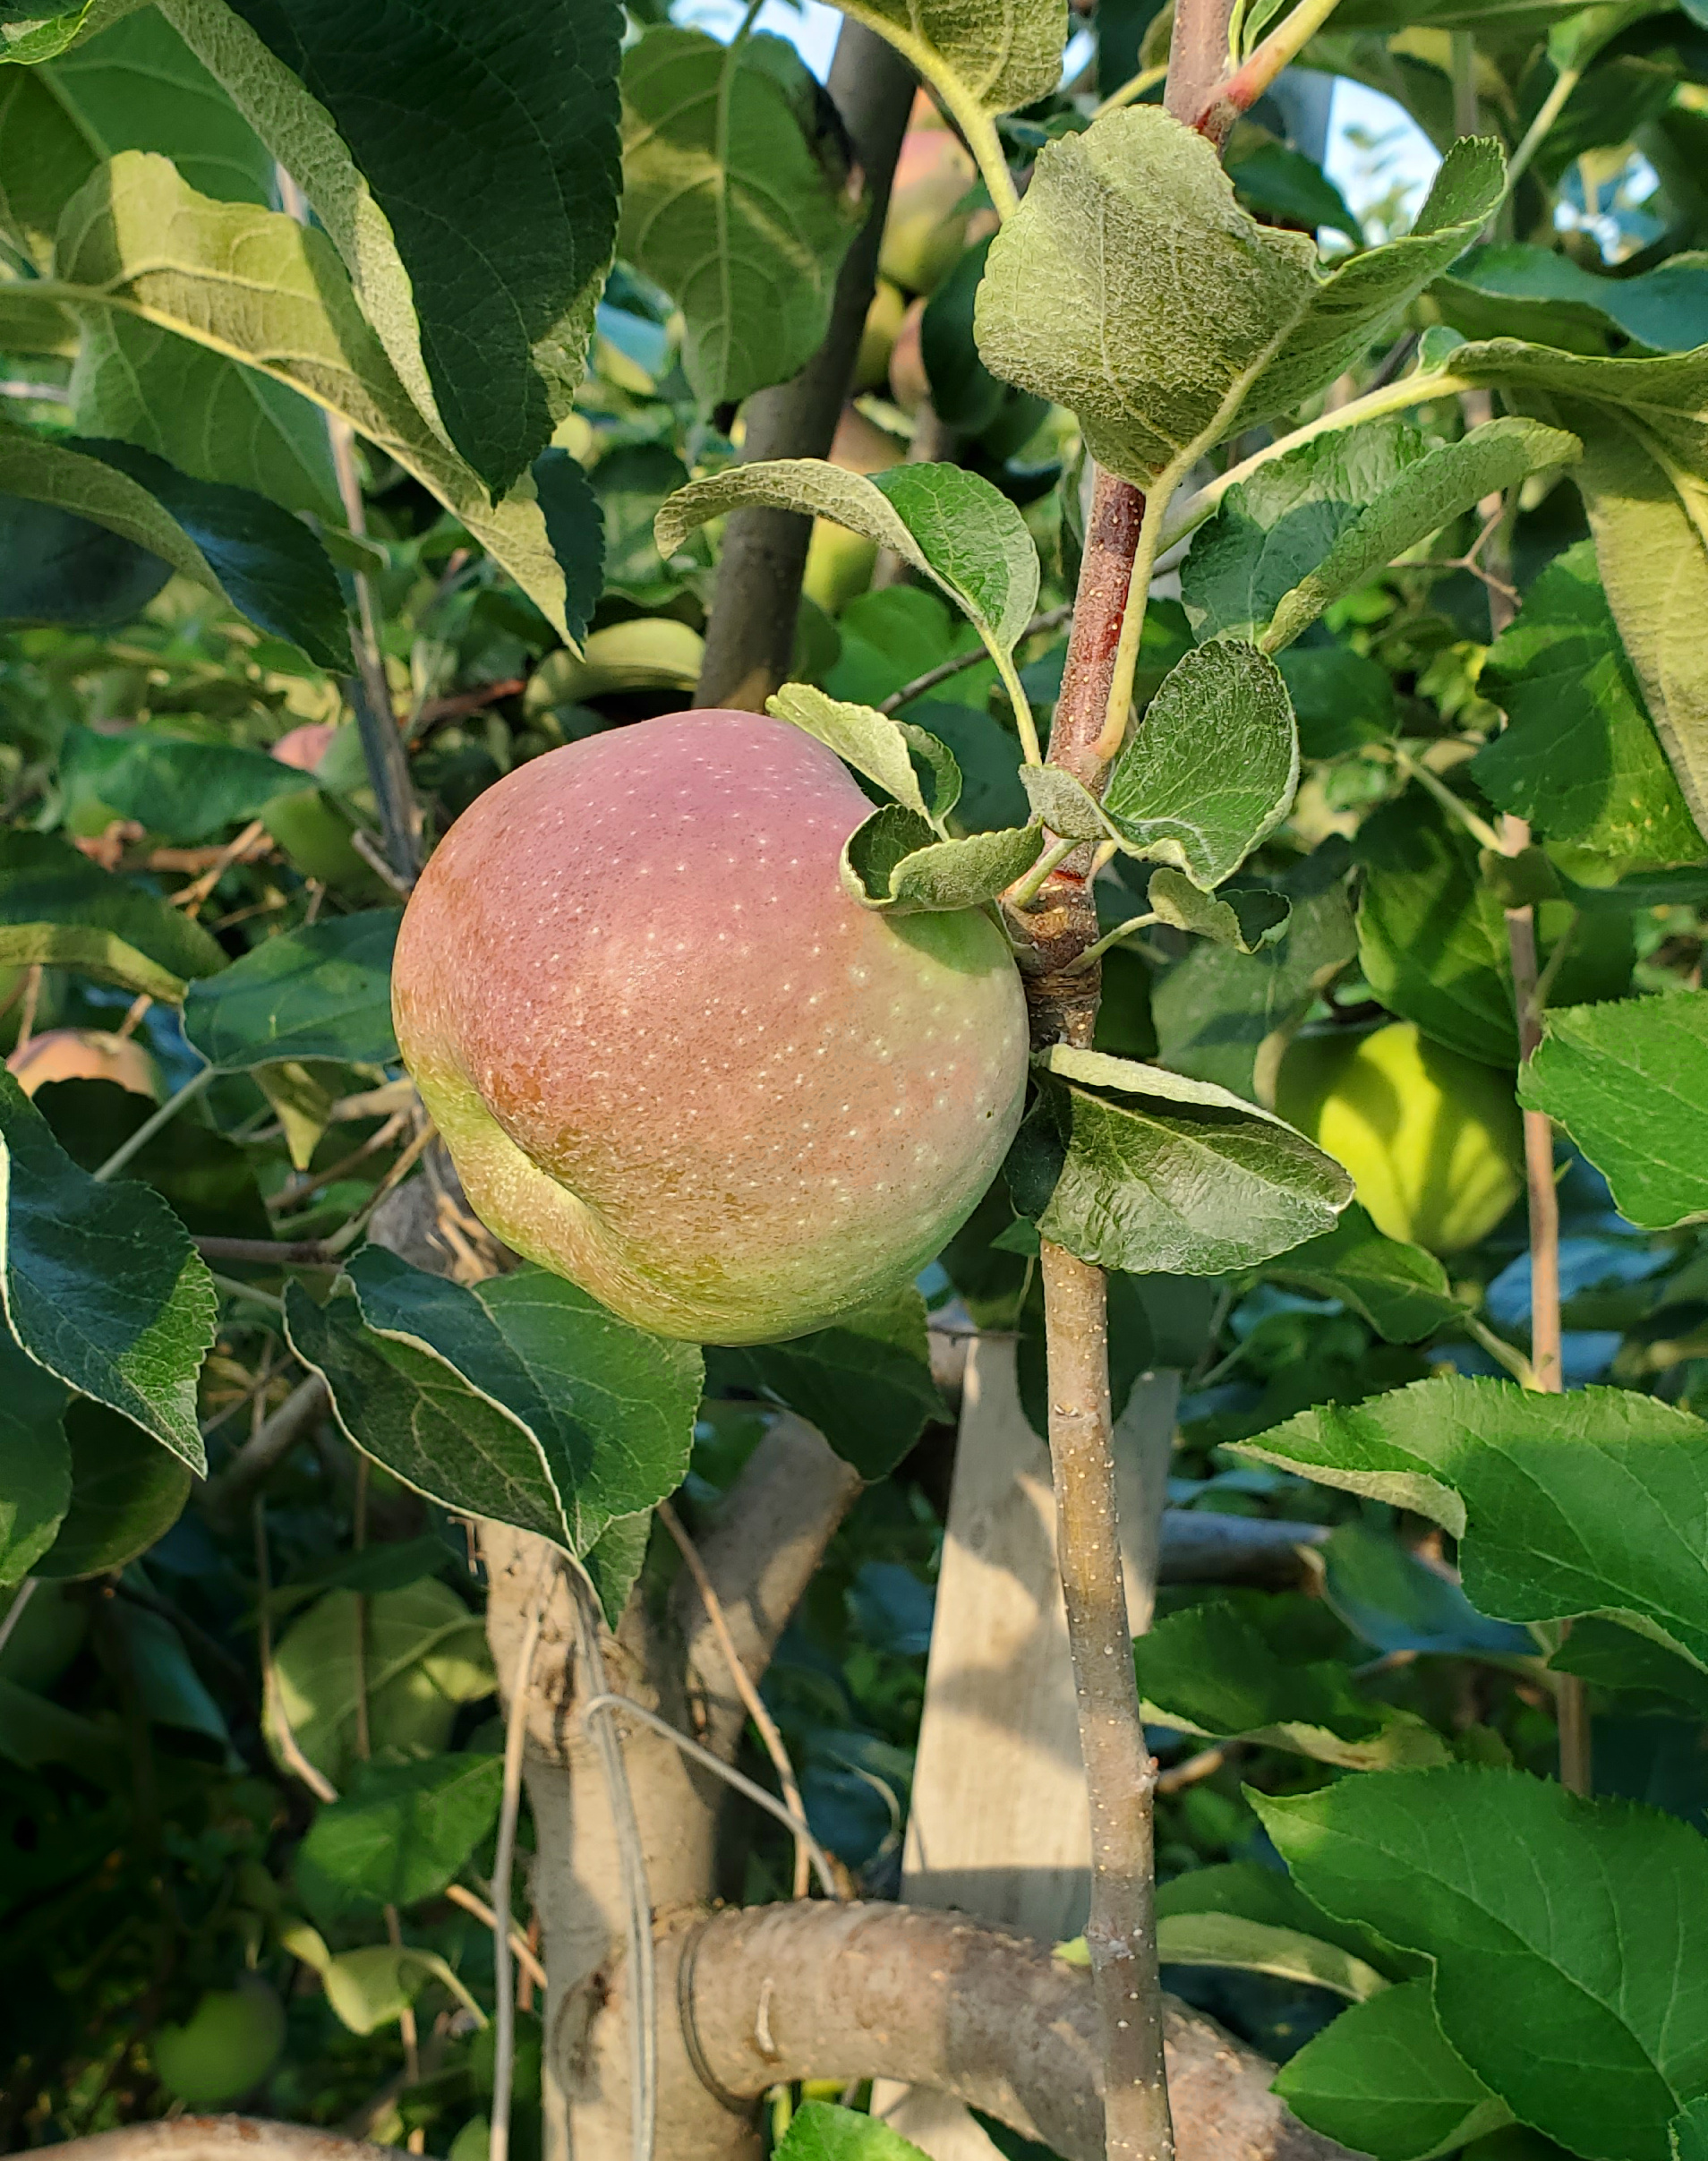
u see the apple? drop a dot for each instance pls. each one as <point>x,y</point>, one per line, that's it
<point>84,1054</point>
<point>674,1059</point>
<point>228,2044</point>
<point>1433,1141</point>
<point>925,228</point>
<point>910,385</point>
<point>882,321</point>
<point>304,747</point>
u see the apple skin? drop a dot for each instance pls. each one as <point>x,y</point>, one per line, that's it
<point>84,1054</point>
<point>228,2044</point>
<point>1433,1141</point>
<point>672,1057</point>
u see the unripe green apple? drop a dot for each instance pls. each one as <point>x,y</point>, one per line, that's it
<point>1433,1141</point>
<point>674,1059</point>
<point>882,321</point>
<point>229,2042</point>
<point>925,228</point>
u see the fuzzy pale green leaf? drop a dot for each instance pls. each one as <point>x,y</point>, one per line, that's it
<point>905,761</point>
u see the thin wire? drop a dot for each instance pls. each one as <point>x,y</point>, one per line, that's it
<point>644,2024</point>
<point>20,1598</point>
<point>515,1734</point>
<point>822,1868</point>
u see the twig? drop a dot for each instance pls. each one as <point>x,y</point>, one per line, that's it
<point>642,1956</point>
<point>515,1734</point>
<point>1205,1764</point>
<point>1050,619</point>
<point>1536,133</point>
<point>1120,1774</point>
<point>268,1445</point>
<point>526,1958</point>
<point>317,1783</point>
<point>230,1285</point>
<point>151,1126</point>
<point>368,848</point>
<point>743,1681</point>
<point>298,1190</point>
<point>32,996</point>
<point>769,1802</point>
<point>399,1170</point>
<point>20,1598</point>
<point>191,897</point>
<point>269,1252</point>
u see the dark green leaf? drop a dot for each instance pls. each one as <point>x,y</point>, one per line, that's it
<point>1595,1502</point>
<point>1629,1083</point>
<point>58,569</point>
<point>736,201</point>
<point>1513,290</point>
<point>1384,2081</point>
<point>126,1493</point>
<point>58,907</point>
<point>38,1486</point>
<point>102,1285</point>
<point>613,1561</point>
<point>1159,1173</point>
<point>1400,1289</point>
<point>1617,1659</point>
<point>1255,1891</point>
<point>400,1835</point>
<point>1578,757</point>
<point>1340,698</point>
<point>1398,1602</point>
<point>488,136</point>
<point>1466,1867</point>
<point>321,992</point>
<point>866,1383</point>
<point>575,530</point>
<point>175,786</point>
<point>1291,186</point>
<point>1209,1670</point>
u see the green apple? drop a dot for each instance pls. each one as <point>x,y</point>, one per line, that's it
<point>676,1060</point>
<point>228,2044</point>
<point>1433,1141</point>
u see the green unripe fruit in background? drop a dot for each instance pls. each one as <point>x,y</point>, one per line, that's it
<point>1434,1142</point>
<point>228,2044</point>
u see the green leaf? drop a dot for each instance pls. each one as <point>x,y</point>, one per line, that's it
<point>1384,2081</point>
<point>1209,1670</point>
<point>1156,1174</point>
<point>1397,1603</point>
<point>866,1383</point>
<point>736,201</point>
<point>1293,189</point>
<point>1221,1015</point>
<point>426,1655</point>
<point>987,53</point>
<point>1226,1939</point>
<point>1466,1867</point>
<point>1518,291</point>
<point>400,1835</point>
<point>1271,530</point>
<point>268,564</point>
<point>1629,1083</point>
<point>820,2132</point>
<point>126,1493</point>
<point>1243,328</point>
<point>138,87</point>
<point>521,1399</point>
<point>427,1425</point>
<point>894,861</point>
<point>1399,1288</point>
<point>321,992</point>
<point>613,1561</point>
<point>1595,1502</point>
<point>463,160</point>
<point>373,1987</point>
<point>1246,918</point>
<point>27,38</point>
<point>58,569</point>
<point>58,907</point>
<point>256,286</point>
<point>1439,488</point>
<point>37,1489</point>
<point>1340,698</point>
<point>1578,757</point>
<point>1257,1893</point>
<point>102,1285</point>
<point>950,525</point>
<point>1611,1657</point>
<point>179,788</point>
<point>906,762</point>
<point>1212,770</point>
<point>1432,935</point>
<point>1690,2132</point>
<point>1643,478</point>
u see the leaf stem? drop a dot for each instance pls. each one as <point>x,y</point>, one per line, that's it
<point>1537,132</point>
<point>150,1125</point>
<point>1028,887</point>
<point>1112,937</point>
<point>1455,807</point>
<point>1132,89</point>
<point>1118,708</point>
<point>977,125</point>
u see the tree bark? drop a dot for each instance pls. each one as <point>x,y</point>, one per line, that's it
<point>750,639</point>
<point>814,1990</point>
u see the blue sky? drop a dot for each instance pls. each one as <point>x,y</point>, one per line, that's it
<point>813,28</point>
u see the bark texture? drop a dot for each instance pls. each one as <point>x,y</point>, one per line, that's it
<point>817,1991</point>
<point>751,637</point>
